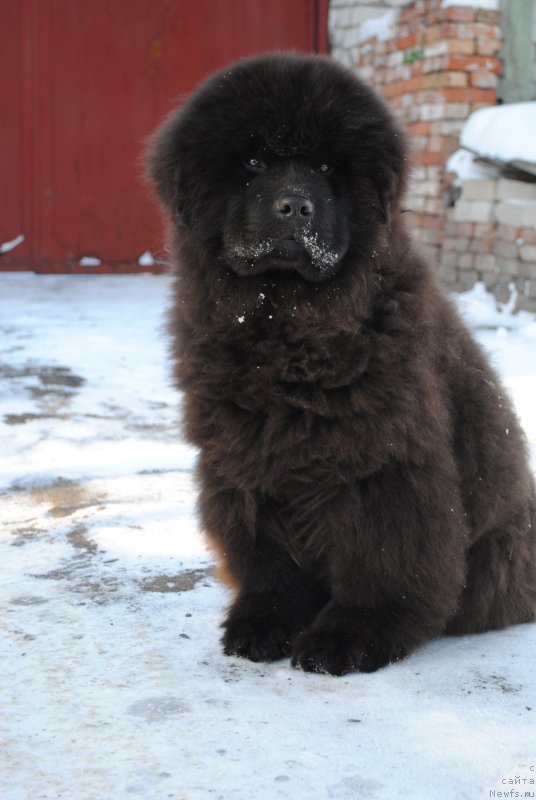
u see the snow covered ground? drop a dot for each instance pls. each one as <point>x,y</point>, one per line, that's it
<point>112,684</point>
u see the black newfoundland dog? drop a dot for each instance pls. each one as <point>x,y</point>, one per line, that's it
<point>362,474</point>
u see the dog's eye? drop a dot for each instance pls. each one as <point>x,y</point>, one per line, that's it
<point>256,165</point>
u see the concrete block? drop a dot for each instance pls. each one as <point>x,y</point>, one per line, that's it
<point>507,266</point>
<point>486,263</point>
<point>506,249</point>
<point>515,190</point>
<point>473,211</point>
<point>528,252</point>
<point>479,190</point>
<point>519,213</point>
<point>468,278</point>
<point>467,262</point>
<point>526,304</point>
<point>527,269</point>
<point>461,244</point>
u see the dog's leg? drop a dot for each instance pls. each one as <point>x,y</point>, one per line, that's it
<point>397,572</point>
<point>262,626</point>
<point>276,599</point>
<point>500,589</point>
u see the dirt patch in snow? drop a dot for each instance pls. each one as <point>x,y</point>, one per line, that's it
<point>181,582</point>
<point>52,386</point>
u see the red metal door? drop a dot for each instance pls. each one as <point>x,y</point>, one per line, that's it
<point>89,81</point>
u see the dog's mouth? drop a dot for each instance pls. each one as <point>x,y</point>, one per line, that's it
<point>288,250</point>
<point>306,255</point>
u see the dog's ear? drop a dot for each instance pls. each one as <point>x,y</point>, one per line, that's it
<point>163,167</point>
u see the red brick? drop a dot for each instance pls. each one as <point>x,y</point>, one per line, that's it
<point>441,79</point>
<point>402,87</point>
<point>429,158</point>
<point>405,42</point>
<point>464,47</point>
<point>469,95</point>
<point>471,63</point>
<point>445,30</point>
<point>419,128</point>
<point>454,14</point>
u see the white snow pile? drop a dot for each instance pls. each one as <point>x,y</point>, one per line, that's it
<point>6,247</point>
<point>112,680</point>
<point>90,261</point>
<point>381,27</point>
<point>490,5</point>
<point>467,167</point>
<point>503,134</point>
<point>146,259</point>
<point>482,311</point>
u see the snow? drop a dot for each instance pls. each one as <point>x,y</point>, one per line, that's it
<point>491,5</point>
<point>467,168</point>
<point>380,27</point>
<point>505,134</point>
<point>6,247</point>
<point>90,261</point>
<point>112,682</point>
<point>146,259</point>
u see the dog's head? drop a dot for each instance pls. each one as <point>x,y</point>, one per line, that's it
<point>281,163</point>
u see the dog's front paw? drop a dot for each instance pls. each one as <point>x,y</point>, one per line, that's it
<point>339,642</point>
<point>258,628</point>
<point>332,652</point>
<point>258,640</point>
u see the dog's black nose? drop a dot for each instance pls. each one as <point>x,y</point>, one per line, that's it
<point>294,205</point>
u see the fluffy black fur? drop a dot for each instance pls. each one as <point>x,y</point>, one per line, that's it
<point>362,474</point>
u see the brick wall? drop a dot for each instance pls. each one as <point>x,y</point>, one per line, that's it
<point>490,236</point>
<point>435,66</point>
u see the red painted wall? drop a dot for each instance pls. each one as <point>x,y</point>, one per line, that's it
<point>86,83</point>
